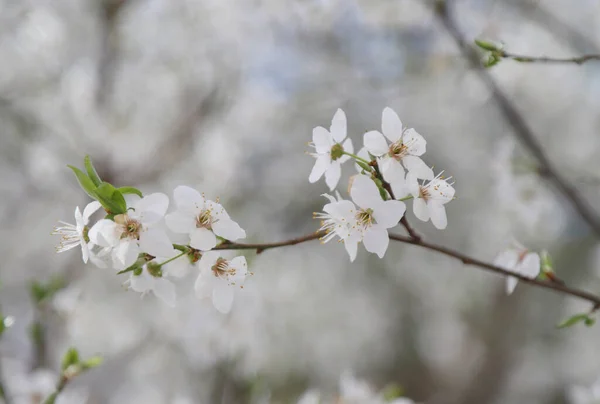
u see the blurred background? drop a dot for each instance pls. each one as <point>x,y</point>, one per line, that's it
<point>222,96</point>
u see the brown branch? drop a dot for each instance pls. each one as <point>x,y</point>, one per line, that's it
<point>465,259</point>
<point>544,59</point>
<point>266,246</point>
<point>515,119</point>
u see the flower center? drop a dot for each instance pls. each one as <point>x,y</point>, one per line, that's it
<point>424,193</point>
<point>337,151</point>
<point>398,150</point>
<point>365,218</point>
<point>221,269</point>
<point>204,220</point>
<point>130,228</point>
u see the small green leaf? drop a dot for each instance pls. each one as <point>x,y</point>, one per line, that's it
<point>110,198</point>
<point>89,167</point>
<point>84,181</point>
<point>130,190</point>
<point>92,362</point>
<point>577,318</point>
<point>485,45</point>
<point>70,358</point>
<point>589,321</point>
<point>2,325</point>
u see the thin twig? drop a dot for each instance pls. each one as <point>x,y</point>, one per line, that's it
<point>545,59</point>
<point>515,119</point>
<point>465,259</point>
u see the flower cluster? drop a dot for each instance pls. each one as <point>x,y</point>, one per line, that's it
<point>134,237</point>
<point>390,167</point>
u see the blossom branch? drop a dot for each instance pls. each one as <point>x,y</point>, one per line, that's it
<point>465,259</point>
<point>544,59</point>
<point>521,129</point>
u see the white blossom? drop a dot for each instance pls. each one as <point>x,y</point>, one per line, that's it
<point>430,198</point>
<point>520,260</point>
<point>134,232</point>
<point>405,148</point>
<point>374,215</point>
<point>339,219</point>
<point>155,280</point>
<point>202,219</point>
<point>77,234</point>
<point>329,147</point>
<point>219,277</point>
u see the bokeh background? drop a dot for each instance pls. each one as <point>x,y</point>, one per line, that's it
<point>222,95</point>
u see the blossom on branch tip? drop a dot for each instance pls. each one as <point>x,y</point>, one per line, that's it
<point>329,148</point>
<point>77,234</point>
<point>520,260</point>
<point>219,278</point>
<point>134,232</point>
<point>405,148</point>
<point>202,219</point>
<point>430,198</point>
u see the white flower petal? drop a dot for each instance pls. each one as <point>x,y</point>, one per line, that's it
<point>85,252</point>
<point>362,153</point>
<point>165,290</point>
<point>241,269</point>
<point>364,192</point>
<point>322,140</point>
<point>511,284</point>
<point>178,268</point>
<point>351,245</point>
<point>412,184</point>
<point>437,212</point>
<point>530,265</point>
<point>104,233</point>
<point>417,166</point>
<point>389,213</point>
<point>222,297</point>
<point>321,165</point>
<point>420,209</point>
<point>391,125</point>
<point>338,126</point>
<point>141,283</point>
<point>415,143</point>
<point>333,174</point>
<point>375,143</point>
<point>208,259</point>
<point>507,259</point>
<point>349,148</point>
<point>392,170</point>
<point>127,253</point>
<point>188,199</point>
<point>180,222</point>
<point>203,286</point>
<point>151,208</point>
<point>376,240</point>
<point>156,242</point>
<point>399,187</point>
<point>340,210</point>
<point>228,229</point>
<point>441,191</point>
<point>78,217</point>
<point>202,239</point>
<point>89,210</point>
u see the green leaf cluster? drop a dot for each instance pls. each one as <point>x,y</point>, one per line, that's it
<point>110,198</point>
